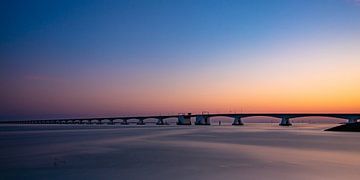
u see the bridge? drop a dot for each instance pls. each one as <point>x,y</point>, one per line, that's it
<point>185,119</point>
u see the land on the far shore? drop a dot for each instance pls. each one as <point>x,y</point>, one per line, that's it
<point>353,127</point>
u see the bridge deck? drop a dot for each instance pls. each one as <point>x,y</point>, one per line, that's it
<point>352,116</point>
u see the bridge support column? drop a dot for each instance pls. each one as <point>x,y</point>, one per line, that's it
<point>140,122</point>
<point>237,121</point>
<point>285,121</point>
<point>111,122</point>
<point>124,122</point>
<point>202,120</point>
<point>352,120</point>
<point>99,121</point>
<point>160,121</point>
<point>89,121</point>
<point>184,119</point>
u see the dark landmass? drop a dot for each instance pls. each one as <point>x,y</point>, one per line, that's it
<point>354,127</point>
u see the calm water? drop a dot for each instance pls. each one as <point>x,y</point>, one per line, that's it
<point>253,151</point>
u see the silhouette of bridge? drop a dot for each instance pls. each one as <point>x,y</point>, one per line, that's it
<point>185,119</point>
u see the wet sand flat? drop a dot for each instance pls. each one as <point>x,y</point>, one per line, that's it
<point>253,151</point>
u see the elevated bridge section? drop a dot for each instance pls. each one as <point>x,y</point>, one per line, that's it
<point>185,119</point>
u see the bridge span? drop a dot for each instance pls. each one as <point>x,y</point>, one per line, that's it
<point>185,119</point>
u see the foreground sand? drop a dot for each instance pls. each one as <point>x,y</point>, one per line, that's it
<point>254,151</point>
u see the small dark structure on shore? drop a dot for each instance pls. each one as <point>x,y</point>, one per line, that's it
<point>350,127</point>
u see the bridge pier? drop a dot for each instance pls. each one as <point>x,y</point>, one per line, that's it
<point>352,120</point>
<point>99,121</point>
<point>237,121</point>
<point>141,122</point>
<point>111,122</point>
<point>124,122</point>
<point>184,119</point>
<point>285,121</point>
<point>160,121</point>
<point>202,120</point>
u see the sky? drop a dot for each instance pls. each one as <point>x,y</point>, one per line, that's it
<point>70,58</point>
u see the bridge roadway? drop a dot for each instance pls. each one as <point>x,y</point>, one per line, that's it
<point>185,119</point>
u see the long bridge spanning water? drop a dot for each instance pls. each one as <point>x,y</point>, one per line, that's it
<point>185,119</point>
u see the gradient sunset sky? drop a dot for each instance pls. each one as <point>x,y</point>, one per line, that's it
<point>71,58</point>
